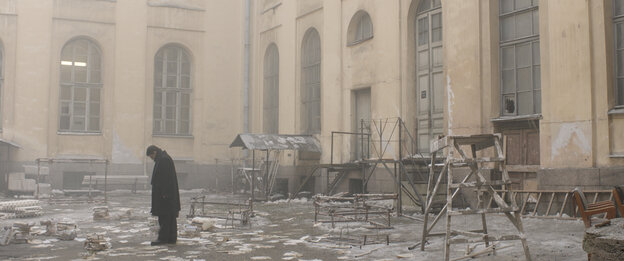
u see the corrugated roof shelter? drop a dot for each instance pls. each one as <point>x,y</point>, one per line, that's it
<point>277,142</point>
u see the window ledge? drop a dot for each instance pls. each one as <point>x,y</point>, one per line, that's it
<point>517,118</point>
<point>173,136</point>
<point>79,133</point>
<point>614,156</point>
<point>353,43</point>
<point>617,110</point>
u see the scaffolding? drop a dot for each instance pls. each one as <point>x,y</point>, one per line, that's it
<point>386,144</point>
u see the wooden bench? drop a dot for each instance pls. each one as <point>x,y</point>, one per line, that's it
<point>115,181</point>
<point>587,210</point>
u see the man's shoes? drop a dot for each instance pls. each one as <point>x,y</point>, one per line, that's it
<point>157,242</point>
<point>172,242</point>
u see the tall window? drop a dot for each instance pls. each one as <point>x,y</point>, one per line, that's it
<point>520,57</point>
<point>618,25</point>
<point>271,90</point>
<point>360,28</point>
<point>311,82</point>
<point>429,72</point>
<point>1,80</point>
<point>81,87</point>
<point>172,91</point>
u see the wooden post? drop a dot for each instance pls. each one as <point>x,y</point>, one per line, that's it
<point>253,173</point>
<point>105,180</point>
<point>400,196</point>
<point>38,174</point>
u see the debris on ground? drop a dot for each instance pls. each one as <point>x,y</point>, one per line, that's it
<point>100,213</point>
<point>50,227</point>
<point>607,242</point>
<point>22,232</point>
<point>96,243</point>
<point>66,230</point>
<point>190,231</point>
<point>206,224</point>
<point>6,234</point>
<point>126,214</point>
<point>20,209</point>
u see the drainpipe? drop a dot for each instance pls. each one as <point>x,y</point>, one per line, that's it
<point>246,76</point>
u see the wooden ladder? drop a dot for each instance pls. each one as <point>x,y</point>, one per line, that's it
<point>458,158</point>
<point>531,200</point>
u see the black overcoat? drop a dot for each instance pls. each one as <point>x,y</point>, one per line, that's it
<point>165,194</point>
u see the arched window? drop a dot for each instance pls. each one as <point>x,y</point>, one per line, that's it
<point>81,87</point>
<point>618,27</point>
<point>360,28</point>
<point>311,82</point>
<point>271,90</point>
<point>429,72</point>
<point>172,91</point>
<point>519,57</point>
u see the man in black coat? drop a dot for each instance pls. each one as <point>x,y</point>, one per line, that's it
<point>165,195</point>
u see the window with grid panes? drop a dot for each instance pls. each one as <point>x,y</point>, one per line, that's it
<point>172,91</point>
<point>311,82</point>
<point>519,57</point>
<point>618,27</point>
<point>81,87</point>
<point>361,28</point>
<point>271,90</point>
<point>429,72</point>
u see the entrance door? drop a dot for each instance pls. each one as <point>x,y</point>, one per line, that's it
<point>361,123</point>
<point>429,72</point>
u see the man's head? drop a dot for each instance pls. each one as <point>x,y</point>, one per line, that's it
<point>152,151</point>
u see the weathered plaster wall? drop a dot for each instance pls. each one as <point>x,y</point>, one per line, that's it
<point>462,65</point>
<point>566,131</point>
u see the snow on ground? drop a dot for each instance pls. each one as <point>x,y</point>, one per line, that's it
<point>281,230</point>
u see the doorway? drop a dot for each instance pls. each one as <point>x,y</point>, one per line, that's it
<point>361,123</point>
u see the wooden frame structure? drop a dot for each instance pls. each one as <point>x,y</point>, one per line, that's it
<point>458,158</point>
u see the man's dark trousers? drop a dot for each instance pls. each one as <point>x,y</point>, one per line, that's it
<point>168,229</point>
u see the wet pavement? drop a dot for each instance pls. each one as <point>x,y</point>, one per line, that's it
<point>278,231</point>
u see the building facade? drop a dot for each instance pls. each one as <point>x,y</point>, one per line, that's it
<point>102,79</point>
<point>90,81</point>
<point>543,73</point>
